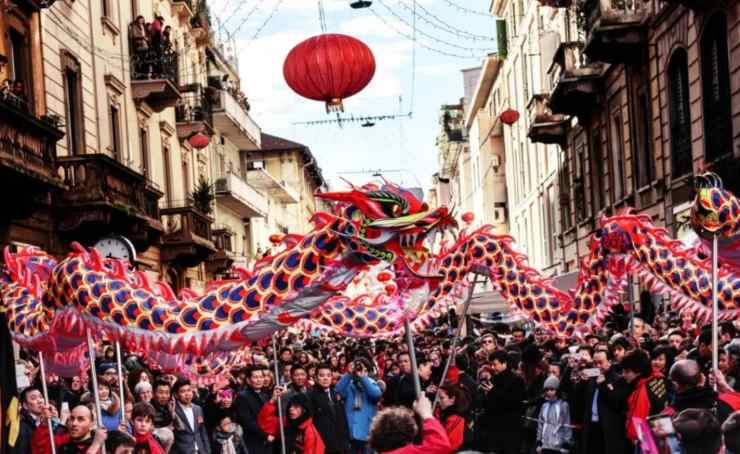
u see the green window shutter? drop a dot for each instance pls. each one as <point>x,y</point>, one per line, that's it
<point>501,38</point>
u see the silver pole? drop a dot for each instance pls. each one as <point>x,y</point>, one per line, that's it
<point>455,340</point>
<point>45,389</point>
<point>94,375</point>
<point>715,307</point>
<point>120,383</point>
<point>279,400</point>
<point>412,356</point>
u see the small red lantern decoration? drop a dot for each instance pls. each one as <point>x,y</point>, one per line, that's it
<point>199,140</point>
<point>390,288</point>
<point>329,68</point>
<point>275,238</point>
<point>384,276</point>
<point>468,217</point>
<point>509,116</point>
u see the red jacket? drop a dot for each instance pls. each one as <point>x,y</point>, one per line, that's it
<point>647,399</point>
<point>434,441</point>
<point>269,423</point>
<point>40,443</point>
<point>455,428</point>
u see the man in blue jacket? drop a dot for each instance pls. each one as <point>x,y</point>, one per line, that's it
<point>361,395</point>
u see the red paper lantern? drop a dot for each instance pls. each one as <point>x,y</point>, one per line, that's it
<point>384,276</point>
<point>390,288</point>
<point>468,217</point>
<point>329,68</point>
<point>199,140</point>
<point>509,116</point>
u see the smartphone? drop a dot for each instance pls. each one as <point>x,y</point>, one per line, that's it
<point>592,372</point>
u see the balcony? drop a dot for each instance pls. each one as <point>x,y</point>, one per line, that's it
<point>556,3</point>
<point>615,29</point>
<point>27,154</point>
<point>545,126</point>
<point>241,198</point>
<point>232,119</point>
<point>193,114</point>
<point>188,239</point>
<point>220,262</point>
<point>264,182</point>
<point>696,5</point>
<point>576,84</point>
<point>154,78</point>
<point>102,195</point>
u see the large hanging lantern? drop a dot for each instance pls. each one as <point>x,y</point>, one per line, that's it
<point>509,116</point>
<point>199,140</point>
<point>329,68</point>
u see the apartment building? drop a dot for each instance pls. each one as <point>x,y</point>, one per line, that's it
<point>113,133</point>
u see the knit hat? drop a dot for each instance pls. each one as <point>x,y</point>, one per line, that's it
<point>105,366</point>
<point>552,382</point>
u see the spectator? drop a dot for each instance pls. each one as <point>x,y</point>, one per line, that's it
<point>394,430</point>
<point>32,406</point>
<point>360,395</point>
<point>699,431</point>
<point>648,396</point>
<point>226,439</point>
<point>453,406</point>
<point>554,433</point>
<point>76,437</point>
<point>401,389</point>
<point>301,436</point>
<point>162,403</point>
<point>692,392</point>
<point>143,422</point>
<point>731,433</point>
<point>189,428</point>
<point>248,404</point>
<point>139,35</point>
<point>503,406</point>
<point>117,442</point>
<point>329,415</point>
<point>143,392</point>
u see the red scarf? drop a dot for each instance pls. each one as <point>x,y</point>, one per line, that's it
<point>149,441</point>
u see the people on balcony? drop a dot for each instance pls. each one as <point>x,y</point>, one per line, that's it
<point>154,55</point>
<point>14,92</point>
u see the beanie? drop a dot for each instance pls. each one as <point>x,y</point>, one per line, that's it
<point>552,382</point>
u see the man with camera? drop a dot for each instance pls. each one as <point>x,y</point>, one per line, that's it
<point>329,417</point>
<point>360,395</point>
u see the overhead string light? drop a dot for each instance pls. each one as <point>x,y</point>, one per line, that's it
<point>246,18</point>
<point>420,43</point>
<point>440,24</point>
<point>267,19</point>
<point>352,119</point>
<point>473,50</point>
<point>467,10</point>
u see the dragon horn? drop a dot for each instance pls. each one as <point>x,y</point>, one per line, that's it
<point>96,259</point>
<point>77,247</point>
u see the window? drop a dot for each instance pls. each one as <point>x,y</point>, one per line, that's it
<point>617,154</point>
<point>20,64</point>
<point>579,181</point>
<point>678,82</point>
<point>716,88</point>
<point>167,175</point>
<point>144,146</point>
<point>73,98</point>
<point>565,193</point>
<point>185,179</point>
<point>643,165</point>
<point>595,168</point>
<point>115,132</point>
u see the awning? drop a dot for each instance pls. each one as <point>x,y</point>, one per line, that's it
<point>488,302</point>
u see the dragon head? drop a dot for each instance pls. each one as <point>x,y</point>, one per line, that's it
<point>715,210</point>
<point>389,223</point>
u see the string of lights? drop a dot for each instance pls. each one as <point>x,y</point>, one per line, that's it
<point>432,37</point>
<point>467,10</point>
<point>420,43</point>
<point>352,119</point>
<point>250,13</point>
<point>440,24</point>
<point>267,19</point>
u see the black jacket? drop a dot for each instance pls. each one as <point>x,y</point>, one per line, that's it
<point>162,415</point>
<point>612,407</point>
<point>248,404</point>
<point>701,397</point>
<point>330,419</point>
<point>504,405</point>
<point>23,442</point>
<point>400,391</point>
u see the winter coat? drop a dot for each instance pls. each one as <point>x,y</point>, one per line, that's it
<point>248,404</point>
<point>310,441</point>
<point>358,420</point>
<point>27,427</point>
<point>553,426</point>
<point>330,419</point>
<point>228,443</point>
<point>612,406</point>
<point>434,438</point>
<point>455,428</point>
<point>40,443</point>
<point>648,398</point>
<point>700,397</point>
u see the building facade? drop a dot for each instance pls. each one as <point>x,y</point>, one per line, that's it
<point>128,120</point>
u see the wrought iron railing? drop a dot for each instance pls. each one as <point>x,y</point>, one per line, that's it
<point>194,107</point>
<point>154,64</point>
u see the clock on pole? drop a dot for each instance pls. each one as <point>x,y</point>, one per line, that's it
<point>116,247</point>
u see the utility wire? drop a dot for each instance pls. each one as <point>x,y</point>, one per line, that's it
<point>432,37</point>
<point>322,16</point>
<point>440,24</point>
<point>422,44</point>
<point>245,19</point>
<point>413,60</point>
<point>267,19</point>
<point>467,10</point>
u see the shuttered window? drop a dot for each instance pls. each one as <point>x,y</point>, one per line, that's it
<point>716,88</point>
<point>678,75</point>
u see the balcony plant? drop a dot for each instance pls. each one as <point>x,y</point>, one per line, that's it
<point>203,196</point>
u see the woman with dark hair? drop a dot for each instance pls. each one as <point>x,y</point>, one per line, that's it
<point>453,405</point>
<point>301,436</point>
<point>394,430</point>
<point>649,392</point>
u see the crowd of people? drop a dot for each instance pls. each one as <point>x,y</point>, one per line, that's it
<point>627,387</point>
